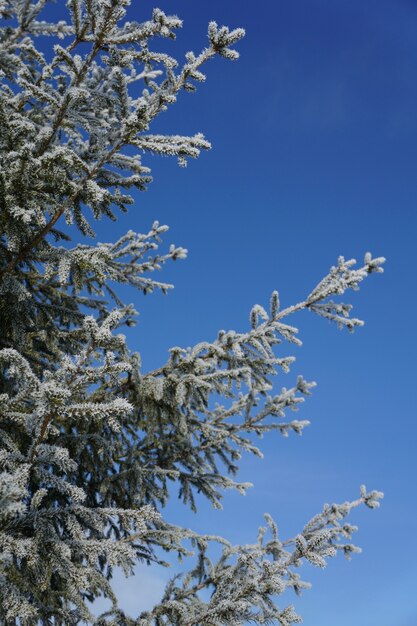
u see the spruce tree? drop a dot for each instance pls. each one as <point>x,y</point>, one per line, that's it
<point>91,442</point>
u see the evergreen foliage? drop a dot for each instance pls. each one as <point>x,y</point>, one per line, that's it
<point>90,441</point>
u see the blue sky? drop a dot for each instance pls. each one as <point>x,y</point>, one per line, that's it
<point>314,134</point>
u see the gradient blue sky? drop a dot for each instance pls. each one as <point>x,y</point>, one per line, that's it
<point>314,134</point>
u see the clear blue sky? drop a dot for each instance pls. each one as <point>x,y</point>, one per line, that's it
<point>314,134</point>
